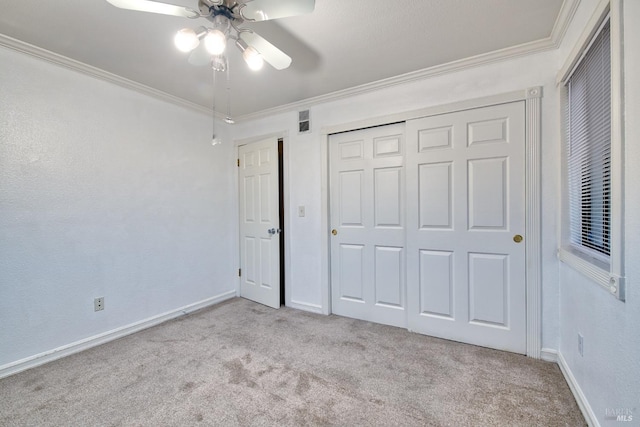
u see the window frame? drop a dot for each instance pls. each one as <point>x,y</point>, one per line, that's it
<point>608,272</point>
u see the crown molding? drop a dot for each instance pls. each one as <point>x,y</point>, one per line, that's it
<point>72,64</point>
<point>450,67</point>
<point>567,11</point>
<point>561,24</point>
<point>565,16</point>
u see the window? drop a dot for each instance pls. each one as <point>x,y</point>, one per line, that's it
<point>591,88</point>
<point>588,125</point>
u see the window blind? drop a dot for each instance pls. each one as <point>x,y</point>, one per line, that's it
<point>589,151</point>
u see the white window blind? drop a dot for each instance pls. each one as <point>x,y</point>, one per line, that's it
<point>589,148</point>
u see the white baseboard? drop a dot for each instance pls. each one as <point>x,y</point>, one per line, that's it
<point>581,399</point>
<point>549,355</point>
<point>305,306</point>
<point>84,344</point>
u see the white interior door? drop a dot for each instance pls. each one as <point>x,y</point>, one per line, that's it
<point>465,191</point>
<point>367,218</point>
<point>259,222</point>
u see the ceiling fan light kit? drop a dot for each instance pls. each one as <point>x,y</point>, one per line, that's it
<point>222,16</point>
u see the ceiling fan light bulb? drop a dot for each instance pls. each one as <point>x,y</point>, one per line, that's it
<point>215,41</point>
<point>253,58</point>
<point>186,40</point>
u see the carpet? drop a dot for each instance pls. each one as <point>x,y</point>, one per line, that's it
<point>243,364</point>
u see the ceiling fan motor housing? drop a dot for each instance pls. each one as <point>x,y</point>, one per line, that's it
<point>213,8</point>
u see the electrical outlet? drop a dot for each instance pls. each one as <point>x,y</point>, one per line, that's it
<point>98,304</point>
<point>581,344</point>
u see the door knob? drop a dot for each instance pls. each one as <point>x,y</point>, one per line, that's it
<point>273,231</point>
<point>334,231</point>
<point>517,238</point>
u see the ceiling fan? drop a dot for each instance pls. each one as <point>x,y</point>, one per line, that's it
<point>226,18</point>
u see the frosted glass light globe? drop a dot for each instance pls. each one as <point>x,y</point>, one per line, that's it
<point>186,40</point>
<point>253,58</point>
<point>215,41</point>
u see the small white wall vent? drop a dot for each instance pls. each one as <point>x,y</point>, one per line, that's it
<point>304,123</point>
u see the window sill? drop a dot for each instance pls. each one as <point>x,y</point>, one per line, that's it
<point>594,269</point>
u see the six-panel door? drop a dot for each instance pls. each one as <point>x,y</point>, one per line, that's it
<point>259,213</point>
<point>465,192</point>
<point>367,214</point>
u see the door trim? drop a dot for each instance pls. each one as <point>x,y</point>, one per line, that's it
<point>287,217</point>
<point>533,275</point>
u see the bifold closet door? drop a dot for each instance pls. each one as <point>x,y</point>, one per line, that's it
<point>465,226</point>
<point>367,220</point>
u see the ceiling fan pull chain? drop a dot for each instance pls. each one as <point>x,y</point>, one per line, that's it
<point>214,141</point>
<point>228,119</point>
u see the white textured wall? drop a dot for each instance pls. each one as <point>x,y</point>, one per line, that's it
<point>609,372</point>
<point>103,192</point>
<point>305,159</point>
<point>106,192</point>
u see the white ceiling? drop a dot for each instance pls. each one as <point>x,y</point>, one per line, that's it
<point>342,44</point>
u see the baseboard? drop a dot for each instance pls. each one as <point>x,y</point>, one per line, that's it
<point>84,344</point>
<point>549,355</point>
<point>305,306</point>
<point>581,399</point>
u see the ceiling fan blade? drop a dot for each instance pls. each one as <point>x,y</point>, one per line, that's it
<point>264,10</point>
<point>199,56</point>
<point>155,7</point>
<point>274,56</point>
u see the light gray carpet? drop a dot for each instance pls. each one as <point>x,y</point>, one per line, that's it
<point>240,363</point>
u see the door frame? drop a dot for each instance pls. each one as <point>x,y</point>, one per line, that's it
<point>533,271</point>
<point>286,235</point>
